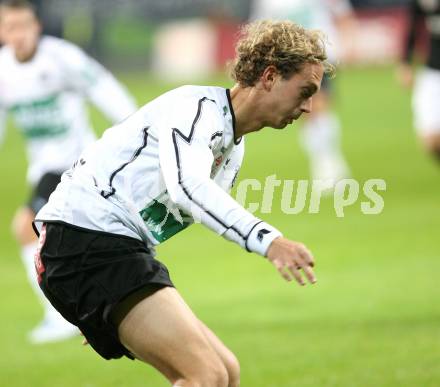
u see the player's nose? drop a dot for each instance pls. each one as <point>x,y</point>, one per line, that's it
<point>306,106</point>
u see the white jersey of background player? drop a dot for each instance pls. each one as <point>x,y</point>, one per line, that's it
<point>43,84</point>
<point>321,131</point>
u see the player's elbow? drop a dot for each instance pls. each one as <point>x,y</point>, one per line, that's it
<point>183,191</point>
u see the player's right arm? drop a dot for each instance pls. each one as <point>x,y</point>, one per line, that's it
<point>186,160</point>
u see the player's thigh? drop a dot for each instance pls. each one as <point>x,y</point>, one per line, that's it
<point>22,225</point>
<point>228,358</point>
<point>161,330</point>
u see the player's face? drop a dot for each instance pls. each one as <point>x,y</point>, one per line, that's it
<point>289,98</point>
<point>20,30</point>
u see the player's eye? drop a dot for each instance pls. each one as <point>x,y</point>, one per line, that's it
<point>306,93</point>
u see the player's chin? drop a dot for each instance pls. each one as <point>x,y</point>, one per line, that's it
<point>282,125</point>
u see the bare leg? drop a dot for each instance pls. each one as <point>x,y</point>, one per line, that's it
<point>22,226</point>
<point>161,330</point>
<point>228,358</point>
<point>53,327</point>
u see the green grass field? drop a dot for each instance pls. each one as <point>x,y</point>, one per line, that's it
<point>373,318</point>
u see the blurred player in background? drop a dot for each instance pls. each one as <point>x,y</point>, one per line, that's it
<point>426,95</point>
<point>321,131</point>
<point>153,175</point>
<point>43,83</point>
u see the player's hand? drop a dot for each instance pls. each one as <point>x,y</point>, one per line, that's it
<point>405,75</point>
<point>290,258</point>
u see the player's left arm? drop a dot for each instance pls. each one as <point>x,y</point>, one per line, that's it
<point>91,78</point>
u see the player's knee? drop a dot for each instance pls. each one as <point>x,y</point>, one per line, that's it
<point>212,373</point>
<point>216,376</point>
<point>22,226</point>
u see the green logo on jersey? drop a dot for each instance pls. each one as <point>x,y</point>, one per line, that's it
<point>40,117</point>
<point>164,219</point>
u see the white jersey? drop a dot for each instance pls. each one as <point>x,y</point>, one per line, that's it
<point>46,98</point>
<point>311,14</point>
<point>163,168</point>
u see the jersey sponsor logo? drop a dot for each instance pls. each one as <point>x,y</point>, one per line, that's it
<point>40,117</point>
<point>39,267</point>
<point>78,163</point>
<point>163,219</point>
<point>261,234</point>
<point>218,160</point>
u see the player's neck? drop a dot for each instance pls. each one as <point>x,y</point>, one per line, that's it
<point>246,112</point>
<point>27,55</point>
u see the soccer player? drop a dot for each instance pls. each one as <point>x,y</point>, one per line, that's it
<point>427,86</point>
<point>151,176</point>
<point>43,84</point>
<point>320,133</point>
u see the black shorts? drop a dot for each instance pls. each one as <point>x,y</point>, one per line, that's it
<point>42,190</point>
<point>85,273</point>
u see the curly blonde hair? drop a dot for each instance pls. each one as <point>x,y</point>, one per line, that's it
<point>283,44</point>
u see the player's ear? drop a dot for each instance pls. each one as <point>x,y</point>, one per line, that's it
<point>269,77</point>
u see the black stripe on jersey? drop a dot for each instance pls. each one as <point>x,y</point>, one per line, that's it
<point>249,233</point>
<point>231,109</point>
<point>213,137</point>
<point>216,134</point>
<point>134,157</point>
<point>188,140</point>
